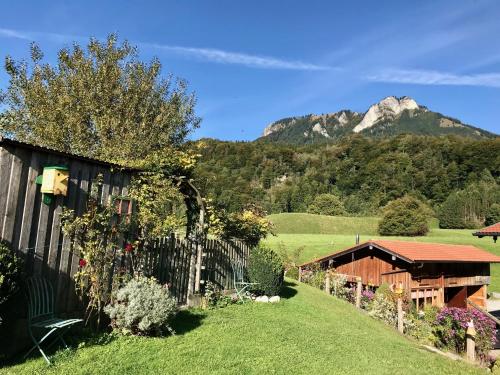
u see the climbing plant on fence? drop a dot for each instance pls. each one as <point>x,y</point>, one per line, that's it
<point>94,236</point>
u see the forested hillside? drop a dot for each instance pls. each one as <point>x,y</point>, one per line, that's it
<point>364,173</point>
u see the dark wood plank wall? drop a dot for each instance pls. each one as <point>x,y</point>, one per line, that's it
<point>32,228</point>
<point>168,260</point>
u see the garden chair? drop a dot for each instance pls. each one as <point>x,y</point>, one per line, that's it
<point>240,285</point>
<point>41,316</point>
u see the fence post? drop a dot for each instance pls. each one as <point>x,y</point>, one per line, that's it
<point>191,299</point>
<point>300,274</point>
<point>199,253</point>
<point>400,315</point>
<point>359,287</point>
<point>327,283</point>
<point>471,341</point>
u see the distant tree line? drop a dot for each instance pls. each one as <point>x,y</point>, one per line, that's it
<point>457,177</point>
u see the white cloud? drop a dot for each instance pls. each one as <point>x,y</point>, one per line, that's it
<point>205,54</point>
<point>8,33</point>
<point>227,57</point>
<point>431,77</point>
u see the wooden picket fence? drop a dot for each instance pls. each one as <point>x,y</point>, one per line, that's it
<point>169,260</point>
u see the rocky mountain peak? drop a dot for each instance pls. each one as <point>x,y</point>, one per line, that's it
<point>389,107</point>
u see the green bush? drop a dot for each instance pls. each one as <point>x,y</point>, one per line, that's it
<point>265,267</point>
<point>492,215</point>
<point>142,307</point>
<point>327,204</point>
<point>10,272</point>
<point>405,216</point>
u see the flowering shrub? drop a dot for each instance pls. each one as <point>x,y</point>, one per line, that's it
<point>451,327</point>
<point>383,306</point>
<point>94,239</point>
<point>215,298</point>
<point>367,296</point>
<point>142,307</point>
<point>420,324</point>
<point>338,287</point>
<point>314,277</point>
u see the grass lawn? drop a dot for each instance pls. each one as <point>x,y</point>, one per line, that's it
<point>321,235</point>
<point>307,333</point>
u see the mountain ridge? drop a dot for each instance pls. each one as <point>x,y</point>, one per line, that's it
<point>390,116</point>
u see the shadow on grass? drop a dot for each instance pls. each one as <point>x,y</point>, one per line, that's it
<point>77,337</point>
<point>288,291</point>
<point>187,320</point>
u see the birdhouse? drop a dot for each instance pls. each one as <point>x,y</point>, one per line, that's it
<point>55,180</point>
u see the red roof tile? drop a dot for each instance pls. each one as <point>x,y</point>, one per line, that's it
<point>423,252</point>
<point>428,252</point>
<point>489,231</point>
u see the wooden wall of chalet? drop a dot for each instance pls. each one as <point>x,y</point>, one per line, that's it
<point>34,228</point>
<point>367,264</point>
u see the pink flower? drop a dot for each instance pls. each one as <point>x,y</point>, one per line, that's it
<point>82,262</point>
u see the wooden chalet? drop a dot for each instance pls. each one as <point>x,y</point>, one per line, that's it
<point>429,273</point>
<point>490,231</point>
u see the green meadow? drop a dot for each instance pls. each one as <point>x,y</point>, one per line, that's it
<point>308,332</point>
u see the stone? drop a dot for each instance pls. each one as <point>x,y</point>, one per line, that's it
<point>275,299</point>
<point>263,299</point>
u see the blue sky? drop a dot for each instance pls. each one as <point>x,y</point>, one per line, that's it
<point>254,62</point>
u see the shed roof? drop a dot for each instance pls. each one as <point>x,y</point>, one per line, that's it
<point>492,230</point>
<point>15,143</point>
<point>421,252</point>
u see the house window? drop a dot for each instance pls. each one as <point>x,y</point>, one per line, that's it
<point>123,206</point>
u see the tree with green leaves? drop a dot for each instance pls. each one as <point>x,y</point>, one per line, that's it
<point>493,215</point>
<point>326,204</point>
<point>98,101</point>
<point>469,207</point>
<point>406,216</point>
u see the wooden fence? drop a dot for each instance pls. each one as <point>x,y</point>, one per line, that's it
<point>169,260</point>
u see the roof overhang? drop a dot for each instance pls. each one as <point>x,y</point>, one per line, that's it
<point>486,234</point>
<point>368,244</point>
<point>374,245</point>
<point>11,142</point>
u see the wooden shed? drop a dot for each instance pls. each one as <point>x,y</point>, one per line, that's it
<point>31,226</point>
<point>429,273</point>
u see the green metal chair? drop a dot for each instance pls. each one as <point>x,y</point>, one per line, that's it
<point>240,285</point>
<point>41,316</point>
